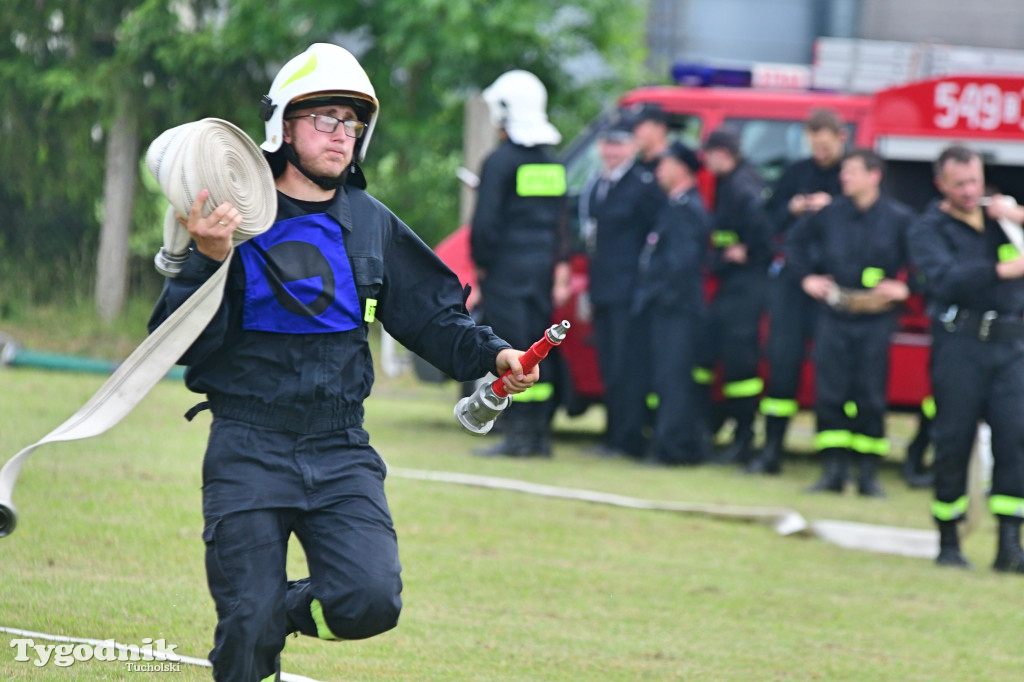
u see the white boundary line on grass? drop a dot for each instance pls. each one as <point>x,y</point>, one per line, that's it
<point>136,650</point>
<point>910,542</point>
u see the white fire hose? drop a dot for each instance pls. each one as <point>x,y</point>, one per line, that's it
<point>209,154</point>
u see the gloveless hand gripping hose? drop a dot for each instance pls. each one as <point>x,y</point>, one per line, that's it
<point>208,154</point>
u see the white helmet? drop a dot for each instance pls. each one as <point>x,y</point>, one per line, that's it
<point>323,70</point>
<point>518,102</point>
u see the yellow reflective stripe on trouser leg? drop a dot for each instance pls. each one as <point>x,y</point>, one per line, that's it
<point>747,388</point>
<point>832,439</point>
<point>322,631</point>
<point>868,445</point>
<point>538,393</point>
<point>950,511</point>
<point>703,376</point>
<point>778,407</point>
<point>1004,505</point>
<point>271,678</point>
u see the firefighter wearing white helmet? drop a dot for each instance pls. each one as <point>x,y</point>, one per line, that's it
<point>521,203</point>
<point>285,367</point>
<point>323,74</point>
<point>517,102</point>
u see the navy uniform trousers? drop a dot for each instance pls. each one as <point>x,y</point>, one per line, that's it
<point>974,380</point>
<point>328,489</point>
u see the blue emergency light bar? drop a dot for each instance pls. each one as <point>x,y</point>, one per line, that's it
<point>701,75</point>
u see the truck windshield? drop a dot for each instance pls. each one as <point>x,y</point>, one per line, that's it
<point>772,144</point>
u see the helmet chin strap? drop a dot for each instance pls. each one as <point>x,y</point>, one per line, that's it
<point>321,181</point>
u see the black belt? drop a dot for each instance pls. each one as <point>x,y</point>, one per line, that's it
<point>985,326</point>
<point>323,416</point>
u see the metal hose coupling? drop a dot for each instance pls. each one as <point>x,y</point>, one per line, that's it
<point>8,519</point>
<point>477,412</point>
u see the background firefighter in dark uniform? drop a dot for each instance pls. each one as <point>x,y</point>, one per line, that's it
<point>849,255</point>
<point>670,296</point>
<point>974,283</point>
<point>805,187</point>
<point>617,212</point>
<point>739,258</point>
<point>285,365</point>
<point>650,130</point>
<point>519,247</point>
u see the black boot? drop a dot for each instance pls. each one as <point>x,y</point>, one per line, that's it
<point>949,547</point>
<point>1010,557</point>
<point>833,476</point>
<point>867,486</point>
<point>738,451</point>
<point>769,460</point>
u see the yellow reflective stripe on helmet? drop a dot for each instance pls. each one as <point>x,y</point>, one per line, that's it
<point>850,409</point>
<point>307,68</point>
<point>871,277</point>
<point>723,238</point>
<point>747,388</point>
<point>653,401</point>
<point>540,180</point>
<point>928,407</point>
<point>867,445</point>
<point>1007,252</point>
<point>778,407</point>
<point>703,376</point>
<point>538,393</point>
<point>1004,505</point>
<point>832,439</point>
<point>950,511</point>
<point>322,631</point>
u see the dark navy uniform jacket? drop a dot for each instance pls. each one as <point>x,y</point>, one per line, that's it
<point>802,177</point>
<point>957,264</point>
<point>740,219</point>
<point>671,272</point>
<point>519,223</point>
<point>288,348</point>
<point>624,218</point>
<point>858,248</point>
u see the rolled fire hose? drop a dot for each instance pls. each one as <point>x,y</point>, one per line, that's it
<point>209,154</point>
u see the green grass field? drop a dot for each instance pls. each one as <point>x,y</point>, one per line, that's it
<point>498,585</point>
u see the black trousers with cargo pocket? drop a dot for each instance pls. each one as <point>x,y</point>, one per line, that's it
<point>260,486</point>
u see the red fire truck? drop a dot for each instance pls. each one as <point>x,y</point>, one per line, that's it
<point>907,124</point>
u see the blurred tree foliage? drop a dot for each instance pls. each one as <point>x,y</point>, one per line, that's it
<point>67,70</point>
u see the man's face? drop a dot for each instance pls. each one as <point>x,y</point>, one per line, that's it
<point>856,179</point>
<point>649,134</point>
<point>718,160</point>
<point>323,154</point>
<point>614,152</point>
<point>668,172</point>
<point>826,146</point>
<point>962,184</point>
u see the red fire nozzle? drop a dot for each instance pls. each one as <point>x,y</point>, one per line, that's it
<point>537,352</point>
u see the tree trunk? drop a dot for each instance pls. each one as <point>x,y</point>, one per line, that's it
<point>118,196</point>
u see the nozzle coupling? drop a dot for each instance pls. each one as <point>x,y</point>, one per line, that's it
<point>556,332</point>
<point>477,412</point>
<point>8,519</point>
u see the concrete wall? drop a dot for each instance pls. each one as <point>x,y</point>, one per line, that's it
<point>981,23</point>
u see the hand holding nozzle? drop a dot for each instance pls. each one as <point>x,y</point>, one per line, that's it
<point>478,411</point>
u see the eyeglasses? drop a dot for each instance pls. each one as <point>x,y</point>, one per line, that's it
<point>328,124</point>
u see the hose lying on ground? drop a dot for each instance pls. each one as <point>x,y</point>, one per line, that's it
<point>209,154</point>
